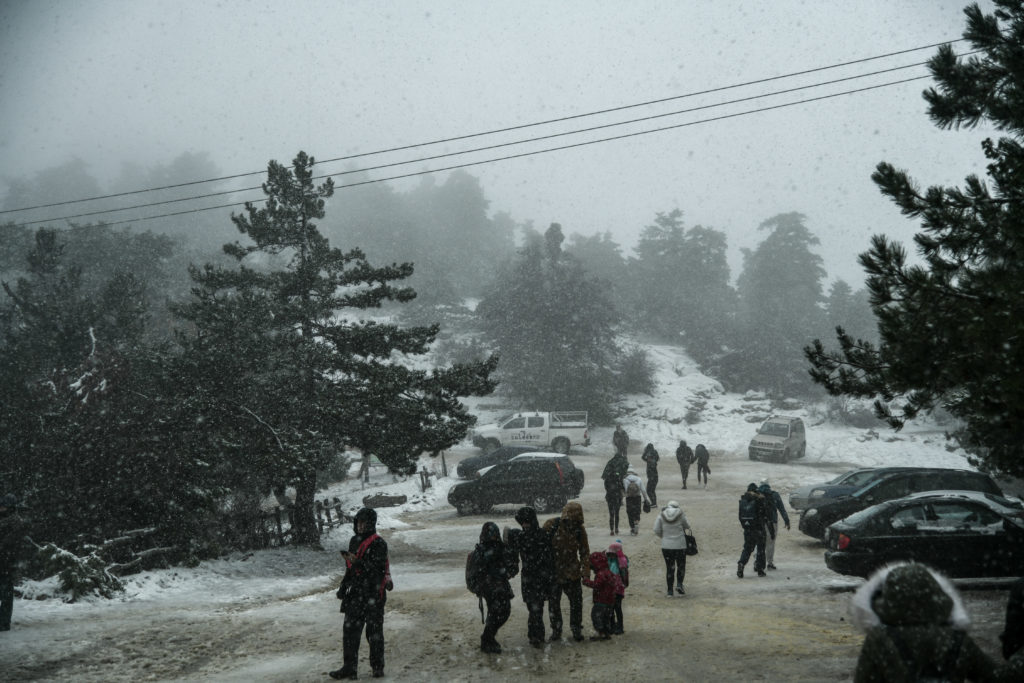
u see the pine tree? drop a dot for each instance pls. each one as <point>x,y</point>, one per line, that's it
<point>284,373</point>
<point>950,329</point>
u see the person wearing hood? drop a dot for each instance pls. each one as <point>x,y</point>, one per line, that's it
<point>753,516</point>
<point>651,457</point>
<point>604,584</point>
<point>1012,636</point>
<point>499,566</point>
<point>700,453</point>
<point>774,505</point>
<point>12,543</point>
<point>532,545</point>
<point>671,527</point>
<point>572,564</point>
<point>614,471</point>
<point>368,579</point>
<point>916,629</point>
<point>620,440</point>
<point>635,498</point>
<point>618,565</point>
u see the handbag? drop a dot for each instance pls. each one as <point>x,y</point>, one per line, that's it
<point>647,506</point>
<point>691,544</point>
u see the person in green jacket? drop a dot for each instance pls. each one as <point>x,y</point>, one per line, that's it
<point>916,629</point>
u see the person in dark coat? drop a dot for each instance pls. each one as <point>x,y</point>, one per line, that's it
<point>703,463</point>
<point>604,585</point>
<point>915,627</point>
<point>12,543</point>
<point>614,472</point>
<point>684,456</point>
<point>753,515</point>
<point>532,545</point>
<point>775,506</point>
<point>620,440</point>
<point>572,563</point>
<point>499,567</point>
<point>368,572</point>
<point>650,456</point>
<point>1013,635</point>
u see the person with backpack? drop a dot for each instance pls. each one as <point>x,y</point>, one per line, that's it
<point>684,456</point>
<point>494,565</point>
<point>774,505</point>
<point>636,497</point>
<point>614,472</point>
<point>572,563</point>
<point>753,516</point>
<point>703,459</point>
<point>363,594</point>
<point>618,565</point>
<point>650,456</point>
<point>916,629</point>
<point>671,527</point>
<point>620,440</point>
<point>532,545</point>
<point>604,585</point>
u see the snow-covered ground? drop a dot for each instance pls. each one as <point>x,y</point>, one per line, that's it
<point>685,405</point>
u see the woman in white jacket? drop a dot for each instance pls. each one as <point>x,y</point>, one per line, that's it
<point>671,527</point>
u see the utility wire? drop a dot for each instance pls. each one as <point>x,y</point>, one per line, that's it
<point>496,131</point>
<point>488,147</point>
<point>541,151</point>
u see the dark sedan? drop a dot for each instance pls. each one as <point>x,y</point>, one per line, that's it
<point>897,484</point>
<point>961,533</point>
<point>470,467</point>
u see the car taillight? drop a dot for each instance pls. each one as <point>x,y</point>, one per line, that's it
<point>561,477</point>
<point>843,542</point>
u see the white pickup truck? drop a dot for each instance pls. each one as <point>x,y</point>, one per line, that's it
<point>557,430</point>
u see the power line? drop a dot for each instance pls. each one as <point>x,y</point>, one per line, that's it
<point>541,151</point>
<point>485,133</point>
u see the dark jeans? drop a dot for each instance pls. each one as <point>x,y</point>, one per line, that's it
<point>498,610</point>
<point>614,501</point>
<point>535,620</point>
<point>574,591</point>
<point>373,618</point>
<point>602,616</point>
<point>617,626</point>
<point>753,540</point>
<point>6,602</point>
<point>675,566</point>
<point>685,471</point>
<point>652,483</point>
<point>633,508</point>
<point>702,470</point>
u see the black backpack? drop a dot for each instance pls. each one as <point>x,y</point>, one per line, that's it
<point>476,573</point>
<point>748,511</point>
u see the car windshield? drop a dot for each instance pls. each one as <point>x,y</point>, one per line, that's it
<point>856,478</point>
<point>774,429</point>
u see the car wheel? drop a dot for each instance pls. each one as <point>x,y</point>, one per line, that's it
<point>803,451</point>
<point>542,503</point>
<point>491,445</point>
<point>785,455</point>
<point>462,509</point>
<point>561,445</point>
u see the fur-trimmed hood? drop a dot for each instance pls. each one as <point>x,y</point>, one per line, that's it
<point>672,511</point>
<point>907,593</point>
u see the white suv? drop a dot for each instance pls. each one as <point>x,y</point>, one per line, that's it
<point>779,438</point>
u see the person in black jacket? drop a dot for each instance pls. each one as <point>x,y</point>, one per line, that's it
<point>12,542</point>
<point>753,515</point>
<point>367,579</point>
<point>532,545</point>
<point>650,456</point>
<point>499,566</point>
<point>684,456</point>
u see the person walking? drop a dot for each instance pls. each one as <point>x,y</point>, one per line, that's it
<point>572,563</point>
<point>752,514</point>
<point>363,595</point>
<point>775,506</point>
<point>620,440</point>
<point>671,527</point>
<point>650,457</point>
<point>618,564</point>
<point>603,583</point>
<point>703,460</point>
<point>684,456</point>
<point>532,545</point>
<point>497,566</point>
<point>1012,636</point>
<point>916,629</point>
<point>614,472</point>
<point>635,499</point>
<point>12,543</point>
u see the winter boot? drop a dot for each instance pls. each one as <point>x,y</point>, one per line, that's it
<point>343,674</point>
<point>489,645</point>
<point>739,569</point>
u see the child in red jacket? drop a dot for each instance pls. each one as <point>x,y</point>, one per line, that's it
<point>604,585</point>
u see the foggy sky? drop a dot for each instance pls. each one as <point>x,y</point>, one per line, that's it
<point>141,80</point>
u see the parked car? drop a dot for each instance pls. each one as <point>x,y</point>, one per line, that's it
<point>779,438</point>
<point>961,533</point>
<point>843,485</point>
<point>544,480</point>
<point>558,431</point>
<point>814,520</point>
<point>470,467</point>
